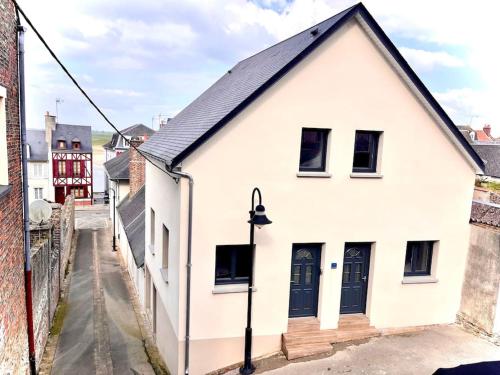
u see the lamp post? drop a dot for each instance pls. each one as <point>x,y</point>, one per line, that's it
<point>114,217</point>
<point>257,217</point>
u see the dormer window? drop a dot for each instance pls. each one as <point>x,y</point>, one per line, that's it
<point>61,144</point>
<point>75,143</point>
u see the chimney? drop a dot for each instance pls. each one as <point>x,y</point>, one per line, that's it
<point>136,167</point>
<point>487,130</point>
<point>50,126</point>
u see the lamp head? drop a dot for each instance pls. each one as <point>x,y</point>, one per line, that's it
<point>259,218</point>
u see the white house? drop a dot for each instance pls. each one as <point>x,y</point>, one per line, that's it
<point>39,167</point>
<point>119,143</point>
<point>348,148</point>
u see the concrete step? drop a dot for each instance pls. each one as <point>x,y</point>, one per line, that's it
<point>305,350</point>
<point>329,336</point>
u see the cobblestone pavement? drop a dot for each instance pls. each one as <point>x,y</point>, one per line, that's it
<point>100,333</point>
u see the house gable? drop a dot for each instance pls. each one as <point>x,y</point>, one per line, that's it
<point>212,110</point>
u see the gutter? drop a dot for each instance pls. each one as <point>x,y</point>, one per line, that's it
<point>26,220</point>
<point>188,263</point>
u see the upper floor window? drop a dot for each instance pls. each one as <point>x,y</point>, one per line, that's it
<point>4,167</point>
<point>77,168</point>
<point>76,144</point>
<point>38,193</point>
<point>232,264</point>
<point>152,229</point>
<point>61,167</point>
<point>418,260</point>
<point>166,239</point>
<point>365,151</point>
<point>38,170</point>
<point>313,150</point>
<point>61,143</point>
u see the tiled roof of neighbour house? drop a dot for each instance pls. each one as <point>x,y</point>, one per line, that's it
<point>118,167</point>
<point>251,77</point>
<point>38,147</point>
<point>485,213</point>
<point>481,136</point>
<point>68,133</point>
<point>490,153</point>
<point>132,131</point>
<point>132,216</point>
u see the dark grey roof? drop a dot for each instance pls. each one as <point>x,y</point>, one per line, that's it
<point>131,211</point>
<point>69,132</point>
<point>136,130</point>
<point>117,168</point>
<point>251,77</point>
<point>485,213</point>
<point>39,149</point>
<point>490,153</point>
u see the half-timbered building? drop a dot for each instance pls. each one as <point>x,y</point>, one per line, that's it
<point>71,150</point>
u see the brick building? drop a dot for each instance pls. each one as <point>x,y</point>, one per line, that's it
<point>13,331</point>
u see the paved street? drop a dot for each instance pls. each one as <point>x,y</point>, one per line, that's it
<point>419,353</point>
<point>100,334</point>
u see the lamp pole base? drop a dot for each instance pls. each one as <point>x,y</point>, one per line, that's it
<point>247,370</point>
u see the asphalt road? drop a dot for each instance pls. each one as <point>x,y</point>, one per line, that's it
<point>100,333</point>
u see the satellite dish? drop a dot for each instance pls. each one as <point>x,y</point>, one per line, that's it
<point>40,211</point>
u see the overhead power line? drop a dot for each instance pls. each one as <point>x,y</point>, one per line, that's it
<point>75,82</point>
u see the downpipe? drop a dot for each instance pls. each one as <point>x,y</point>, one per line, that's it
<point>188,263</point>
<point>26,220</point>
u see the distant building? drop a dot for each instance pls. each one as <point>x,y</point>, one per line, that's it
<point>119,144</point>
<point>477,135</point>
<point>71,155</point>
<point>39,168</point>
<point>490,153</point>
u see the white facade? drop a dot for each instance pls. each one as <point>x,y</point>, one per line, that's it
<point>39,181</point>
<point>347,84</point>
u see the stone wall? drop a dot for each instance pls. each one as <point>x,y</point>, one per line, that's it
<point>479,305</point>
<point>50,250</point>
<point>13,331</point>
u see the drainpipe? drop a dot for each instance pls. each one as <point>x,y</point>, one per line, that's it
<point>188,263</point>
<point>27,245</point>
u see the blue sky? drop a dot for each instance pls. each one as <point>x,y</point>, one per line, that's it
<point>139,59</point>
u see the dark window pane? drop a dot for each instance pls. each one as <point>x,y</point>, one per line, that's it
<point>422,258</point>
<point>418,258</point>
<point>296,275</point>
<point>357,273</point>
<point>346,276</point>
<point>365,151</point>
<point>408,259</point>
<point>308,280</point>
<point>313,149</point>
<point>232,264</point>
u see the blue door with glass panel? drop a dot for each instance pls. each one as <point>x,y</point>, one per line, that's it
<point>304,280</point>
<point>355,278</point>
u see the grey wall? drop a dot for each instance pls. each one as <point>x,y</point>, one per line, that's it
<point>482,278</point>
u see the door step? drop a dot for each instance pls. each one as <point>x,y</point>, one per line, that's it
<point>304,338</point>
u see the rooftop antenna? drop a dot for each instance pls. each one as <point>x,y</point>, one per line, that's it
<point>58,101</point>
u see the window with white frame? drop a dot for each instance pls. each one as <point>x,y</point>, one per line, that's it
<point>4,166</point>
<point>164,258</point>
<point>38,193</point>
<point>152,229</point>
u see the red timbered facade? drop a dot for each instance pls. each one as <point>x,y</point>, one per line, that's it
<point>72,174</point>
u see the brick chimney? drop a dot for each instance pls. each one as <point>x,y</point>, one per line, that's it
<point>136,167</point>
<point>487,130</point>
<point>50,126</point>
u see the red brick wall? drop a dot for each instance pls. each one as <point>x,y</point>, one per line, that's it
<point>13,336</point>
<point>136,168</point>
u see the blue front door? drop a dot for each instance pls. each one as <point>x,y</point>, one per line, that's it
<point>304,280</point>
<point>355,278</point>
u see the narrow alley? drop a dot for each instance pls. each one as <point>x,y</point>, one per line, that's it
<point>100,333</point>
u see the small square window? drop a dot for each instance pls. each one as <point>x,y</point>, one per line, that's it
<point>313,150</point>
<point>365,151</point>
<point>232,264</point>
<point>418,258</point>
<point>166,239</point>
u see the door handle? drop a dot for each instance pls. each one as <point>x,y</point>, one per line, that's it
<point>364,278</point>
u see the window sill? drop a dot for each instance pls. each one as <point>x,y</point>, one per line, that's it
<point>232,288</point>
<point>164,274</point>
<point>4,190</point>
<point>151,249</point>
<point>419,280</point>
<point>366,175</point>
<point>314,174</point>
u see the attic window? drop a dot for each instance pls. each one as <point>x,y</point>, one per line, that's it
<point>76,144</point>
<point>61,144</point>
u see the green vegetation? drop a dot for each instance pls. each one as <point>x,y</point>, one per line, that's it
<point>100,137</point>
<point>485,183</point>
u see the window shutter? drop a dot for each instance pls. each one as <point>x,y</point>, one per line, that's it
<point>55,168</point>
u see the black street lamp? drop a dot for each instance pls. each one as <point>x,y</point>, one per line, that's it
<point>257,217</point>
<point>114,217</point>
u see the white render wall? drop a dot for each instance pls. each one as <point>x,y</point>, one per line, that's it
<point>39,180</point>
<point>345,85</point>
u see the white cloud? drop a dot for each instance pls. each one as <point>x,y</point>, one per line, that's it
<point>426,60</point>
